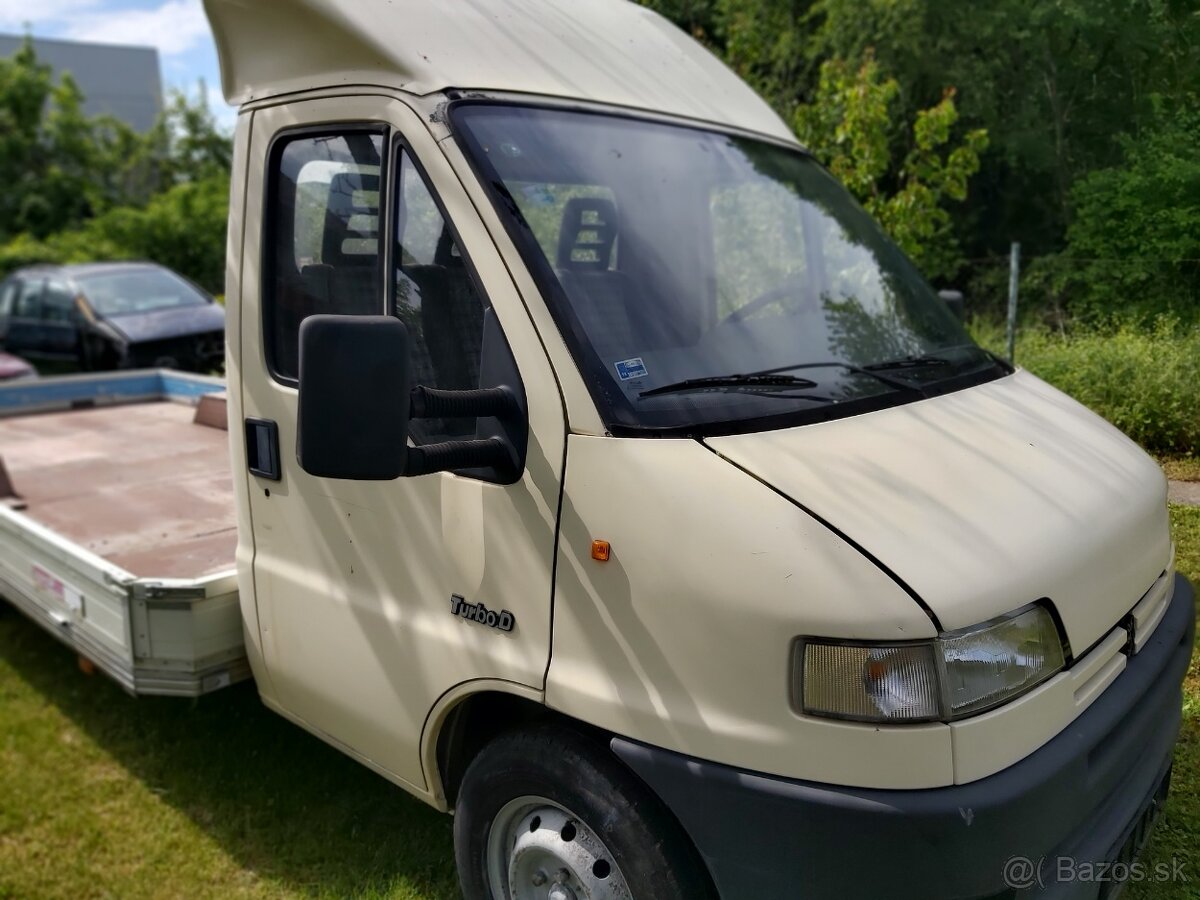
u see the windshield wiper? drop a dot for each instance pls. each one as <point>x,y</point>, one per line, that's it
<point>908,362</point>
<point>867,371</point>
<point>777,377</point>
<point>755,380</point>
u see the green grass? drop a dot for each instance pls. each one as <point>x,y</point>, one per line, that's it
<point>105,796</point>
<point>102,795</point>
<point>1178,834</point>
<point>1181,468</point>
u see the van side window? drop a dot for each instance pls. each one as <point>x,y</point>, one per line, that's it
<point>323,248</point>
<point>437,300</point>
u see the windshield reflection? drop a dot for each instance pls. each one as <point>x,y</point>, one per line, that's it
<point>670,254</point>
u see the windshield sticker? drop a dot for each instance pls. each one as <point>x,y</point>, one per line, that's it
<point>628,369</point>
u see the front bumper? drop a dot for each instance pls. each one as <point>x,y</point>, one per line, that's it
<point>1082,797</point>
<point>190,353</point>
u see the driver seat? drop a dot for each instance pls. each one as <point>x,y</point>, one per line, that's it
<point>601,297</point>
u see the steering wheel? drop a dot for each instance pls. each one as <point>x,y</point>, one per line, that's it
<point>781,290</point>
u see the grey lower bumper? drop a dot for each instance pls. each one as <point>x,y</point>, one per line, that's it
<point>1084,796</point>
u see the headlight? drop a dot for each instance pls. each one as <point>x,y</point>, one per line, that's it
<point>959,674</point>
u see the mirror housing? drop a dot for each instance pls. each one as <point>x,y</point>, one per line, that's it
<point>356,404</point>
<point>352,419</point>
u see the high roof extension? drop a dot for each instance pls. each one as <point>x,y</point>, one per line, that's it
<point>605,51</point>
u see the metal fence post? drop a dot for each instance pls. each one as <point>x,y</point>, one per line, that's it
<point>1014,278</point>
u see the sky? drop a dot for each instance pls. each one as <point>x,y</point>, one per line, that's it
<point>177,28</point>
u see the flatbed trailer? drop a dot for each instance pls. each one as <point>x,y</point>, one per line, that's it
<point>118,533</point>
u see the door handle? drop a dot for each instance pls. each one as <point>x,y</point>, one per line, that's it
<point>262,449</point>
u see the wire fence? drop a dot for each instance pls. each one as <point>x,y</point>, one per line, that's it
<point>1060,290</point>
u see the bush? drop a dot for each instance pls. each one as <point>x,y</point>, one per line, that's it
<point>182,229</point>
<point>1146,382</point>
<point>1137,228</point>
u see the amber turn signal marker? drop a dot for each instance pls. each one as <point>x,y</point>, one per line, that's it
<point>601,550</point>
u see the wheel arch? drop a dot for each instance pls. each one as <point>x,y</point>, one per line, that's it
<point>461,723</point>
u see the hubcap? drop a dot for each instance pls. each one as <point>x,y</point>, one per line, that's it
<point>537,850</point>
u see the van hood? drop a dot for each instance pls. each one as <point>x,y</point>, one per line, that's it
<point>983,500</point>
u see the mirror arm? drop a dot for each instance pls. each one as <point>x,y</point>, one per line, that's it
<point>431,403</point>
<point>453,455</point>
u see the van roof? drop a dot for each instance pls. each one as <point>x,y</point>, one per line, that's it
<point>604,51</point>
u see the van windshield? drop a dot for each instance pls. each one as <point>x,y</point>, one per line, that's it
<point>708,282</point>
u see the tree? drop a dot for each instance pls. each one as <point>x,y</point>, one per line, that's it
<point>61,167</point>
<point>1135,238</point>
<point>1052,81</point>
<point>80,188</point>
<point>697,17</point>
<point>849,126</point>
<point>768,43</point>
<point>182,228</point>
<point>191,145</point>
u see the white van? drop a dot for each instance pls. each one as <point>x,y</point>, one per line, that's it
<point>605,476</point>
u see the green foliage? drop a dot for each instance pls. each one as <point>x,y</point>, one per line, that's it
<point>81,188</point>
<point>182,228</point>
<point>1146,382</point>
<point>1081,100</point>
<point>1136,234</point>
<point>49,151</point>
<point>767,43</point>
<point>697,17</point>
<point>187,143</point>
<point>1052,81</point>
<point>848,126</point>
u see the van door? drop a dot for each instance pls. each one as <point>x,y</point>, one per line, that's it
<point>354,581</point>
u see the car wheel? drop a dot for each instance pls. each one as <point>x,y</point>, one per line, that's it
<point>549,815</point>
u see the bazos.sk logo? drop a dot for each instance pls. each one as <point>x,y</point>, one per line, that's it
<point>477,612</point>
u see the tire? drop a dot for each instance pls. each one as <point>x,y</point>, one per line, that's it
<point>547,800</point>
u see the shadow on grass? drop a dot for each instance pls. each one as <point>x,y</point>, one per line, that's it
<point>278,800</point>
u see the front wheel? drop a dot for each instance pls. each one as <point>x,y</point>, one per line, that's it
<point>547,815</point>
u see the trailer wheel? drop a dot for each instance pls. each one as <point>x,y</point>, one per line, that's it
<point>547,815</point>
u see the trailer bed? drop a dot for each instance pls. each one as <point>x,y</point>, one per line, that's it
<point>122,537</point>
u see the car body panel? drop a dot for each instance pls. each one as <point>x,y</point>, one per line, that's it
<point>169,323</point>
<point>984,500</point>
<point>683,638</point>
<point>602,51</point>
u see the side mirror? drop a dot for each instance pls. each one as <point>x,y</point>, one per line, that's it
<point>356,404</point>
<point>353,412</point>
<point>954,300</point>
